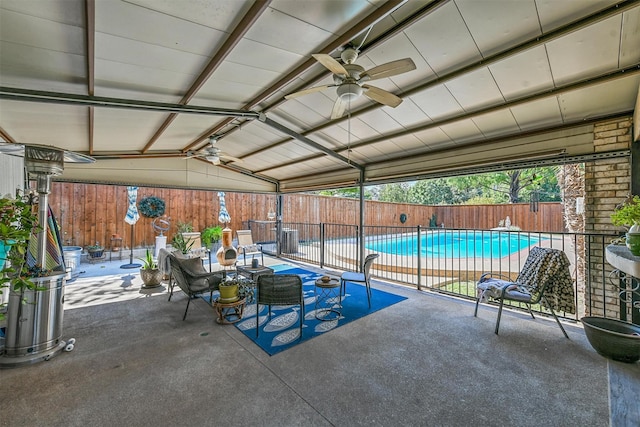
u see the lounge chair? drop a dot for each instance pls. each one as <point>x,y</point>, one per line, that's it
<point>246,246</point>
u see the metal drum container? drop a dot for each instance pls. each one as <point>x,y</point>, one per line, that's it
<point>72,257</point>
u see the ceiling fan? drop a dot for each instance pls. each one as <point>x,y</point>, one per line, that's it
<point>350,79</point>
<point>212,154</point>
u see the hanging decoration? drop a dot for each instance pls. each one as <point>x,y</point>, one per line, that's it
<point>223,217</point>
<point>152,207</point>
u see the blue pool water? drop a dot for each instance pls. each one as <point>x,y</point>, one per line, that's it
<point>457,244</point>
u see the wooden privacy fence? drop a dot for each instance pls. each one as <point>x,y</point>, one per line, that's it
<point>88,213</point>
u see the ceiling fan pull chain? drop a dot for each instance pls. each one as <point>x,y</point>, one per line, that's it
<point>349,132</point>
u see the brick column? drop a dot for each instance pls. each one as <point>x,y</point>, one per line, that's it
<point>607,184</point>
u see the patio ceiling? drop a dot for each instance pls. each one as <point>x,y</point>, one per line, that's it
<point>137,84</point>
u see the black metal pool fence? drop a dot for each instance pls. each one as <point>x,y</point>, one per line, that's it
<point>450,261</point>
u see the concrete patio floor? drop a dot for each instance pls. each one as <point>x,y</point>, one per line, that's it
<point>425,361</point>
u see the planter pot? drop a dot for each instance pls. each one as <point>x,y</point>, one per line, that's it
<point>193,239</point>
<point>151,278</point>
<point>228,293</point>
<point>613,338</point>
<point>633,243</point>
<point>96,253</point>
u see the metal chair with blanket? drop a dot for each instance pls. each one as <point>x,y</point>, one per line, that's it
<point>279,289</point>
<point>545,278</point>
<point>192,278</point>
<point>355,277</point>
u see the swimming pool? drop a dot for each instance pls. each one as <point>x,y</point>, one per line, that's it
<point>457,244</point>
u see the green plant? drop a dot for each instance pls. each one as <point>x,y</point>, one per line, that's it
<point>18,223</point>
<point>181,244</point>
<point>148,261</point>
<point>96,247</point>
<point>246,287</point>
<point>211,235</point>
<point>627,214</point>
<point>185,227</point>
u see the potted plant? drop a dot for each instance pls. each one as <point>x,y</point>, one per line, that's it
<point>211,237</point>
<point>95,251</point>
<point>189,235</point>
<point>185,227</point>
<point>628,215</point>
<point>181,244</point>
<point>149,272</point>
<point>234,288</point>
<point>17,223</point>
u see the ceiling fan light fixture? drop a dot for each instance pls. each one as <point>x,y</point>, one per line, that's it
<point>349,91</point>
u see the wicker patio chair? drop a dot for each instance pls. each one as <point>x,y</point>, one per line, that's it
<point>192,278</point>
<point>279,289</point>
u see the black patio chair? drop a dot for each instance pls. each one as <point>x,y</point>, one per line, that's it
<point>279,289</point>
<point>355,277</point>
<point>192,278</point>
<point>545,278</point>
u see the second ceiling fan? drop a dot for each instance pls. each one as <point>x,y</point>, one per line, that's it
<point>350,78</point>
<point>212,153</point>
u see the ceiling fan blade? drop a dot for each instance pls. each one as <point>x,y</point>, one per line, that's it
<point>381,96</point>
<point>338,108</point>
<point>331,64</point>
<point>389,69</point>
<point>307,91</point>
<point>229,158</point>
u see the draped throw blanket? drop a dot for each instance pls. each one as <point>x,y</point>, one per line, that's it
<point>163,261</point>
<point>545,270</point>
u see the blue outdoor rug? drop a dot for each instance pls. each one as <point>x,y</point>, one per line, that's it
<point>283,330</point>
